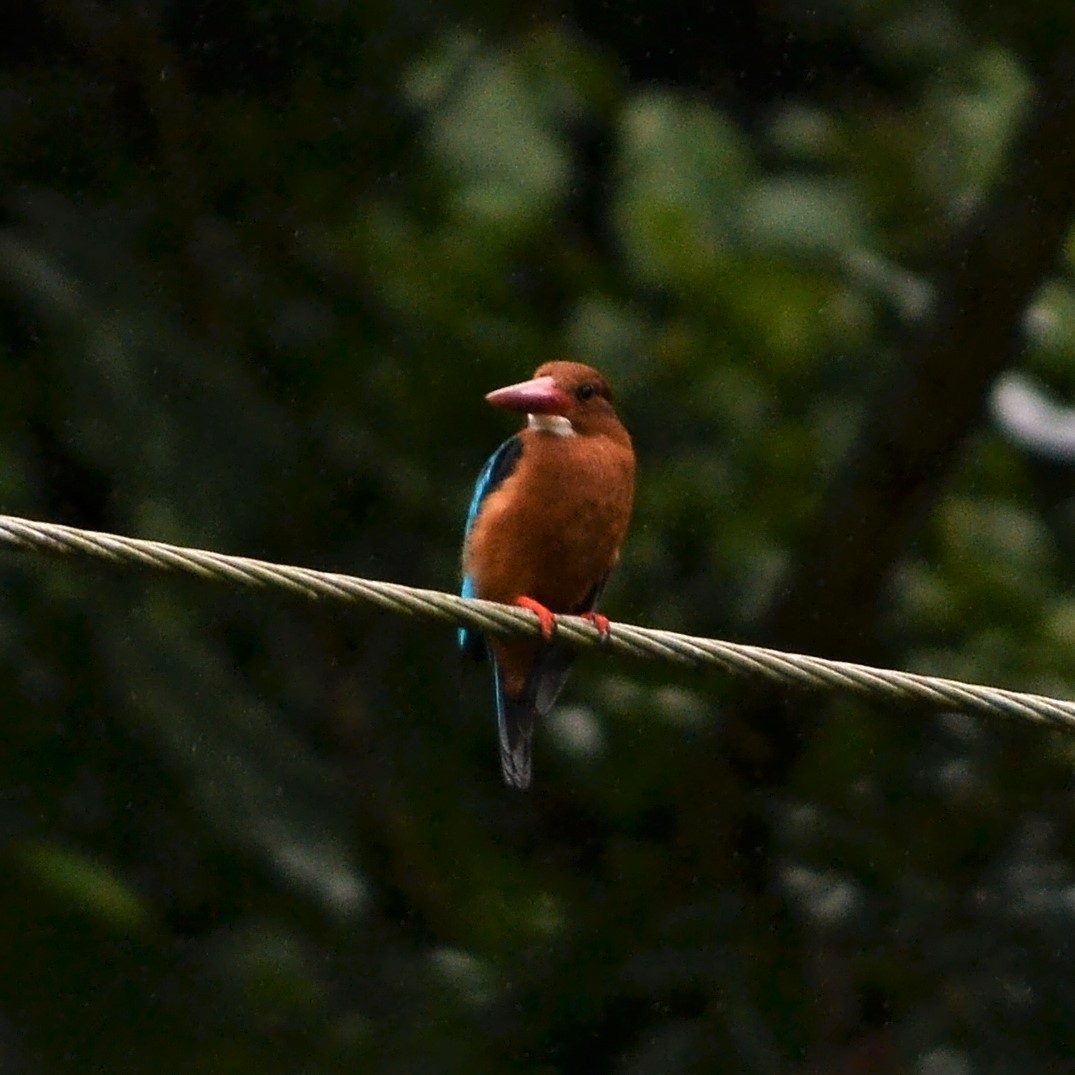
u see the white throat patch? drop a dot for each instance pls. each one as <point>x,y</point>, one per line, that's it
<point>556,424</point>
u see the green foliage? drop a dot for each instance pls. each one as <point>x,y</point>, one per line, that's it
<point>258,266</point>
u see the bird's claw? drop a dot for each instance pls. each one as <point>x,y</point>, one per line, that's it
<point>604,628</point>
<point>546,618</point>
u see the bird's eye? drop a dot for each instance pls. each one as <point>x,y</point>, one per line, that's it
<point>585,392</point>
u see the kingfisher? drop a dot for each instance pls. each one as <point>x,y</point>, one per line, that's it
<point>547,519</point>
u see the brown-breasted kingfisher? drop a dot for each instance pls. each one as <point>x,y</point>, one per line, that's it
<point>547,519</point>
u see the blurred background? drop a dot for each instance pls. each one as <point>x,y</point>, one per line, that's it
<point>259,263</point>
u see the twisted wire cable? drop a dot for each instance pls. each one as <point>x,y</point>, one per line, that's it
<point>794,670</point>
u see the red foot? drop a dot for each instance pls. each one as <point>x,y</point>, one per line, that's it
<point>604,628</point>
<point>548,620</point>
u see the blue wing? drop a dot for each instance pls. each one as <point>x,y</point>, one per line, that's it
<point>498,467</point>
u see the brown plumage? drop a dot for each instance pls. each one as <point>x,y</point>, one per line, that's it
<point>547,523</point>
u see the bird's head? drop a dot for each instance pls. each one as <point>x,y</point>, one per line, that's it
<point>563,398</point>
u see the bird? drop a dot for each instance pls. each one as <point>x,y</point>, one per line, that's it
<point>546,522</point>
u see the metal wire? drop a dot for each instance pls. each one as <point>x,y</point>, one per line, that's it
<point>784,669</point>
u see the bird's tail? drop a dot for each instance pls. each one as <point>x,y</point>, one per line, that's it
<point>515,720</point>
<point>516,716</point>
